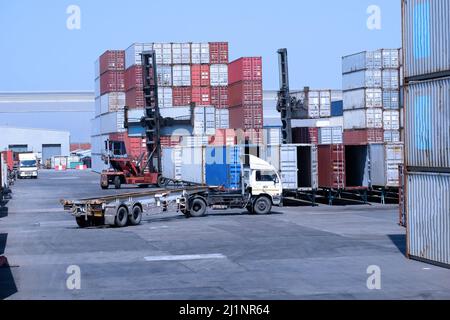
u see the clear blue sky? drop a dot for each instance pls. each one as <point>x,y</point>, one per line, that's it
<point>38,52</point>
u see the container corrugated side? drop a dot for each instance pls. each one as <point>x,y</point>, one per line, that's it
<point>363,99</point>
<point>370,78</point>
<point>427,124</point>
<point>428,217</point>
<point>223,167</point>
<point>426,24</point>
<point>193,164</point>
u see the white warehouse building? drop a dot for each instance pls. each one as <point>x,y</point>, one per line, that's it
<point>45,143</point>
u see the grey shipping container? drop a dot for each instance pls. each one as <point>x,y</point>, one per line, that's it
<point>428,217</point>
<point>331,135</point>
<point>361,61</point>
<point>426,42</point>
<point>385,160</point>
<point>184,163</point>
<point>363,99</point>
<point>297,164</point>
<point>427,125</point>
<point>370,78</point>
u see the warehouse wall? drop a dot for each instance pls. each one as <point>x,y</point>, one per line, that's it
<point>34,138</point>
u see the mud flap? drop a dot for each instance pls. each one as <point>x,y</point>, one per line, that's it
<point>110,216</point>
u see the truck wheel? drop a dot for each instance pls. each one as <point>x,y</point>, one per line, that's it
<point>104,187</point>
<point>198,208</point>
<point>262,206</point>
<point>82,222</point>
<point>249,209</point>
<point>121,217</point>
<point>136,216</point>
<point>161,182</point>
<point>117,183</point>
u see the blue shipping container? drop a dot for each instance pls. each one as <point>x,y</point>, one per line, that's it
<point>337,108</point>
<point>223,167</point>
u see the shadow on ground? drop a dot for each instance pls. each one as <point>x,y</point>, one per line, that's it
<point>3,210</point>
<point>7,283</point>
<point>400,242</point>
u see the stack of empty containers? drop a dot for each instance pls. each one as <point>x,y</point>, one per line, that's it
<point>246,93</point>
<point>187,73</point>
<point>426,44</point>
<point>109,103</point>
<point>371,84</point>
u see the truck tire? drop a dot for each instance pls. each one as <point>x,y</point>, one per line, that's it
<point>262,206</point>
<point>121,217</point>
<point>104,187</point>
<point>82,222</point>
<point>198,208</point>
<point>161,182</point>
<point>136,216</point>
<point>117,182</point>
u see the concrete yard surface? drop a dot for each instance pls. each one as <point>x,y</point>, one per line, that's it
<point>293,253</point>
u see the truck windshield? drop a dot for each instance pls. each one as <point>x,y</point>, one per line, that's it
<point>266,176</point>
<point>28,163</point>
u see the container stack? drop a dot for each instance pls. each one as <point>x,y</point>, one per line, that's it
<point>371,104</point>
<point>109,102</point>
<point>246,93</point>
<point>427,123</point>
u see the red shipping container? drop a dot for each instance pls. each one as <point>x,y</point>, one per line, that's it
<point>331,166</point>
<point>363,137</point>
<point>112,81</point>
<point>112,60</point>
<point>305,135</point>
<point>218,52</point>
<point>219,97</point>
<point>245,69</point>
<point>245,93</point>
<point>223,137</point>
<point>200,75</point>
<point>170,141</point>
<point>9,158</point>
<point>182,96</point>
<point>133,78</point>
<point>201,96</point>
<point>134,98</point>
<point>246,117</point>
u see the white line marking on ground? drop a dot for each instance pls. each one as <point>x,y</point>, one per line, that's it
<point>186,257</point>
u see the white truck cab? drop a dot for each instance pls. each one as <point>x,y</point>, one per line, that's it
<point>261,178</point>
<point>28,167</point>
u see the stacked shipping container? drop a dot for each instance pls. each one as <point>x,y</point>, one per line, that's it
<point>246,93</point>
<point>427,122</point>
<point>373,148</point>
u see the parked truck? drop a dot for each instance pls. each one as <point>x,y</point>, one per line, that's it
<point>28,166</point>
<point>261,189</point>
<point>4,178</point>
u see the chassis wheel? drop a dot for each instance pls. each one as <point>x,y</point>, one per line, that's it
<point>161,182</point>
<point>103,186</point>
<point>136,216</point>
<point>198,208</point>
<point>122,217</point>
<point>117,182</point>
<point>82,222</point>
<point>262,206</point>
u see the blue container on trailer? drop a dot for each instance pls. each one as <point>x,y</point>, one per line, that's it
<point>223,167</point>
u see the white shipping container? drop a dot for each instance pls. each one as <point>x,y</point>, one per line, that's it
<point>172,163</point>
<point>392,136</point>
<point>391,99</point>
<point>426,43</point>
<point>195,141</point>
<point>361,61</point>
<point>330,135</point>
<point>96,126</point>
<point>97,106</point>
<point>394,156</point>
<point>391,120</point>
<point>98,164</point>
<point>363,119</point>
<point>112,102</point>
<point>98,144</point>
<point>204,121</point>
<point>428,217</point>
<point>219,75</point>
<point>272,136</point>
<point>391,58</point>
<point>193,164</point>
<point>181,53</point>
<point>181,76</point>
<point>112,122</point>
<point>370,78</point>
<point>165,97</point>
<point>363,99</point>
<point>133,53</point>
<point>163,52</point>
<point>325,103</point>
<point>289,167</point>
<point>200,53</point>
<point>164,74</point>
<point>313,104</point>
<point>391,79</point>
<point>222,119</point>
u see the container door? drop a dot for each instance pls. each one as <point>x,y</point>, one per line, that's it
<point>314,168</point>
<point>234,167</point>
<point>288,167</point>
<point>377,165</point>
